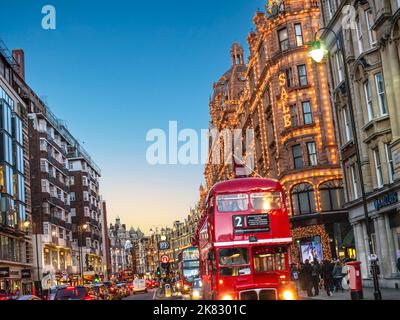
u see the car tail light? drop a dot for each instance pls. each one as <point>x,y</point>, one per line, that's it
<point>89,298</point>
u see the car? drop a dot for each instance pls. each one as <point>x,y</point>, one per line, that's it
<point>113,290</point>
<point>4,295</point>
<point>28,298</point>
<point>49,294</point>
<point>196,291</point>
<point>123,290</point>
<point>100,291</point>
<point>74,293</point>
<point>139,285</point>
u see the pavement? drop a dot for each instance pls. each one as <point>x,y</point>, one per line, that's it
<point>387,294</point>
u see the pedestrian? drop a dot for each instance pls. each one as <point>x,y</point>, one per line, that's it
<point>398,264</point>
<point>326,274</point>
<point>315,275</point>
<point>338,276</point>
<point>307,277</point>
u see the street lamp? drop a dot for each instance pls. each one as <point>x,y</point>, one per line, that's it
<point>81,228</point>
<point>317,53</point>
<point>27,224</point>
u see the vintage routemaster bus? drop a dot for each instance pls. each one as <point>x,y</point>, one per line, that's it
<point>188,268</point>
<point>244,241</point>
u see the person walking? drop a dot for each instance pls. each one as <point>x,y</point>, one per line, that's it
<point>398,264</point>
<point>315,275</point>
<point>338,276</point>
<point>307,277</point>
<point>327,276</point>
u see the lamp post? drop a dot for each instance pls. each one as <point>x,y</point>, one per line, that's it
<point>317,53</point>
<point>39,281</point>
<point>81,228</point>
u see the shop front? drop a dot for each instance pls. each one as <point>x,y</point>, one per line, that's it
<point>14,280</point>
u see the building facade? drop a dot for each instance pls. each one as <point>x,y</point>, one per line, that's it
<point>122,247</point>
<point>371,45</point>
<point>285,102</point>
<point>15,232</point>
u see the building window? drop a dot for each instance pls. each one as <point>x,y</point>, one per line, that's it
<point>85,181</point>
<point>339,66</point>
<point>283,39</point>
<point>354,181</point>
<point>331,9</point>
<point>332,195</point>
<point>380,87</point>
<point>346,125</point>
<point>307,113</point>
<point>289,77</point>
<point>302,73</point>
<point>299,34</point>
<point>85,196</point>
<point>359,36</point>
<point>294,116</point>
<point>297,157</point>
<point>303,199</point>
<point>72,196</point>
<point>389,160</point>
<point>312,154</point>
<point>368,99</point>
<point>378,168</point>
<point>371,33</point>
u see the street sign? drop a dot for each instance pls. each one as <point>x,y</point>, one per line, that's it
<point>165,259</point>
<point>164,245</point>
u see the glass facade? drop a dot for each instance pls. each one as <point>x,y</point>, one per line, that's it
<point>12,181</point>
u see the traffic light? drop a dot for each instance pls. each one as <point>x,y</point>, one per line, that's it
<point>158,272</point>
<point>96,278</point>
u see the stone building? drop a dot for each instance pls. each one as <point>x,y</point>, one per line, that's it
<point>285,100</point>
<point>371,45</point>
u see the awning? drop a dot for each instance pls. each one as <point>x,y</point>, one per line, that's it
<point>348,241</point>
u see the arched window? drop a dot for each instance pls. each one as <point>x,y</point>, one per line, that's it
<point>303,199</point>
<point>332,195</point>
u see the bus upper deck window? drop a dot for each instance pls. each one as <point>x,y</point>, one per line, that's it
<point>232,203</point>
<point>266,201</point>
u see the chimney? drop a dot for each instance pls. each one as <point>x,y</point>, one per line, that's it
<point>19,56</point>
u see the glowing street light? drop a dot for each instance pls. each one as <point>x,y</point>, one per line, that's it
<point>318,51</point>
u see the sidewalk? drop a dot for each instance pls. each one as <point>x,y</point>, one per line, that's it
<point>387,294</point>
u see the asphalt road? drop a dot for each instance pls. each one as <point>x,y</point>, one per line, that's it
<point>142,296</point>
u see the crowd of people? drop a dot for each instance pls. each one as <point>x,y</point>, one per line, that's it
<point>311,277</point>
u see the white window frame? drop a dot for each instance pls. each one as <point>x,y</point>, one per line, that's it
<point>359,36</point>
<point>354,181</point>
<point>378,168</point>
<point>389,161</point>
<point>339,67</point>
<point>371,33</point>
<point>347,126</point>
<point>383,108</point>
<point>368,100</point>
<point>72,196</point>
<point>299,36</point>
<point>312,157</point>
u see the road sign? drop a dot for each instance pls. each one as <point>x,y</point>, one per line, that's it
<point>164,245</point>
<point>165,259</point>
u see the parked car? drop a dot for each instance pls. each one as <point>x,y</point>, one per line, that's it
<point>50,294</point>
<point>123,290</point>
<point>74,293</point>
<point>28,298</point>
<point>4,295</point>
<point>139,285</point>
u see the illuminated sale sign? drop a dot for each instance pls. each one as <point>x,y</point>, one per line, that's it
<point>287,119</point>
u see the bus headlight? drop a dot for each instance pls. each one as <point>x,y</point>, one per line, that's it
<point>186,287</point>
<point>196,294</point>
<point>227,297</point>
<point>178,285</point>
<point>288,295</point>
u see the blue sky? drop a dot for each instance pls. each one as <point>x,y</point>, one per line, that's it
<point>116,69</point>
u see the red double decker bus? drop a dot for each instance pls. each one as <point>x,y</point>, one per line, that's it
<point>244,241</point>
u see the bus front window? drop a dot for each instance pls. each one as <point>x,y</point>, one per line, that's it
<point>234,262</point>
<point>232,203</point>
<point>266,201</point>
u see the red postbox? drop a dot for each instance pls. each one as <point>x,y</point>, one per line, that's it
<point>355,279</point>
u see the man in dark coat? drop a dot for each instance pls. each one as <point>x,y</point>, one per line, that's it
<point>326,274</point>
<point>307,277</point>
<point>315,274</point>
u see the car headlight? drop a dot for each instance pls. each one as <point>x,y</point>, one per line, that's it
<point>186,287</point>
<point>288,295</point>
<point>196,294</point>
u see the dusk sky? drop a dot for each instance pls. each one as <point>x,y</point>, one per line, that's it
<point>113,70</point>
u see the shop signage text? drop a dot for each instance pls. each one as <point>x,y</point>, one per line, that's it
<point>386,200</point>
